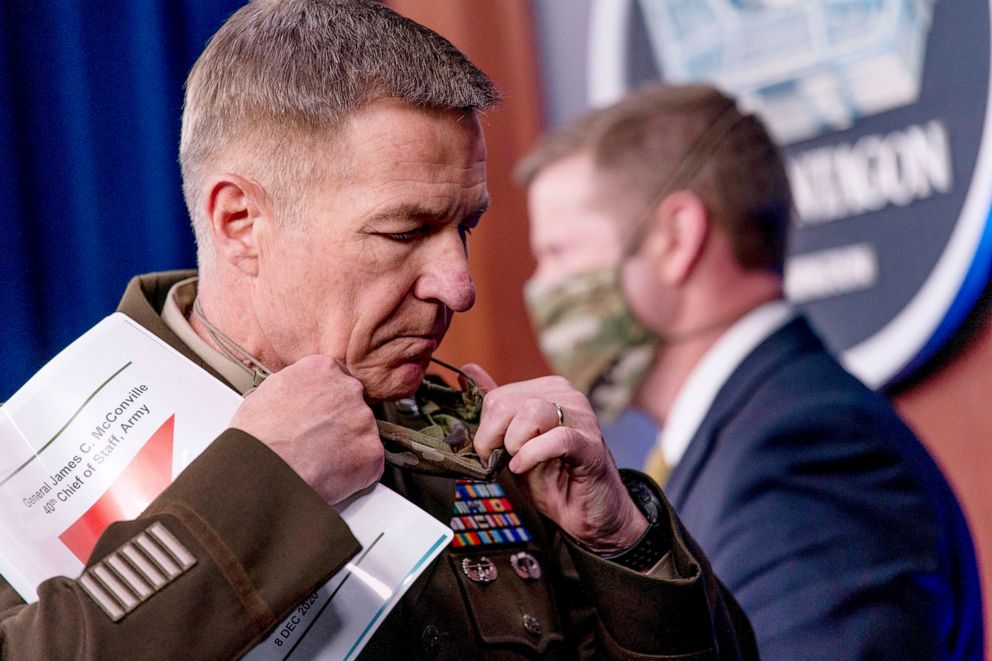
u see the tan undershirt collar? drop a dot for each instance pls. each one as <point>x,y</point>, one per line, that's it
<point>175,314</point>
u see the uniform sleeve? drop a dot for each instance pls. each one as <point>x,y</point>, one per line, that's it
<point>678,609</point>
<point>221,556</point>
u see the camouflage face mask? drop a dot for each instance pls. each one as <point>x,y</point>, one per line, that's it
<point>589,335</point>
<point>432,431</point>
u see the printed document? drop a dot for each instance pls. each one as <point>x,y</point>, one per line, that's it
<point>106,425</point>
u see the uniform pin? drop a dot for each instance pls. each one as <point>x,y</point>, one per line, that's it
<point>532,624</point>
<point>526,566</point>
<point>479,570</point>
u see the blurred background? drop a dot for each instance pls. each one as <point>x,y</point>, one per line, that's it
<point>882,108</point>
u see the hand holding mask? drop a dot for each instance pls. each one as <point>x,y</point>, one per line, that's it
<point>432,432</point>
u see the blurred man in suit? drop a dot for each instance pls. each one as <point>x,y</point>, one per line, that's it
<point>659,229</point>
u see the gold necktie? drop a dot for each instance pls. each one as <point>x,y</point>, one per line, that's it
<point>656,466</point>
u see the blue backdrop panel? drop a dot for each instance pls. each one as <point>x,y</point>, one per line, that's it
<point>90,102</point>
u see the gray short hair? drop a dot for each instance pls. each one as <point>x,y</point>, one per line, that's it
<point>279,72</point>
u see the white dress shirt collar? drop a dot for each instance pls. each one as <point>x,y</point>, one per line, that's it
<point>700,389</point>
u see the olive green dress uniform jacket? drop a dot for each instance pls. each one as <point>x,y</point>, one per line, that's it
<point>263,540</point>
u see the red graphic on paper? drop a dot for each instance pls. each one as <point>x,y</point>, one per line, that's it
<point>148,474</point>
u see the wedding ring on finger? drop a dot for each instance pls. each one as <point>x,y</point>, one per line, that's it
<point>560,413</point>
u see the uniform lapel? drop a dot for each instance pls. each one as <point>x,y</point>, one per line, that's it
<point>771,355</point>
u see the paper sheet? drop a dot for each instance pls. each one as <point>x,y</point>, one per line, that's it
<point>107,424</point>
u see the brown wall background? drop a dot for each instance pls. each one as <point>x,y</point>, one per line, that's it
<point>949,409</point>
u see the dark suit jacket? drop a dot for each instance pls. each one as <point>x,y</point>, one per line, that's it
<point>263,540</point>
<point>824,515</point>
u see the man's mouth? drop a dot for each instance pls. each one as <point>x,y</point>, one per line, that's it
<point>415,347</point>
<point>433,335</point>
<point>416,340</point>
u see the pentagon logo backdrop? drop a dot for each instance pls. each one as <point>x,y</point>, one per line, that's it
<point>882,107</point>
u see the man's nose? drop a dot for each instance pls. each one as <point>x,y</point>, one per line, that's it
<point>446,277</point>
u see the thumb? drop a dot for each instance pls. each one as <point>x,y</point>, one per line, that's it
<point>481,376</point>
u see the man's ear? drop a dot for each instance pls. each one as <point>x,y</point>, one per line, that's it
<point>678,237</point>
<point>236,208</point>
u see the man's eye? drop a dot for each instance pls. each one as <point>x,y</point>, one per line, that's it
<point>409,235</point>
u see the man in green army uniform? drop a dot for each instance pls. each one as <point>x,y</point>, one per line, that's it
<point>333,164</point>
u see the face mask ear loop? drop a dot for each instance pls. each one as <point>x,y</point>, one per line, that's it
<point>468,379</point>
<point>690,165</point>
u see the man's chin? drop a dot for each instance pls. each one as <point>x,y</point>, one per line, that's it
<point>396,383</point>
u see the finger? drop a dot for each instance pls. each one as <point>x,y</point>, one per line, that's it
<point>561,443</point>
<point>533,418</point>
<point>311,371</point>
<point>481,376</point>
<point>503,404</point>
<point>315,361</point>
<point>553,388</point>
<point>497,412</point>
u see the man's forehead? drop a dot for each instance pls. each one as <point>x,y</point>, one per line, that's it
<point>567,185</point>
<point>389,129</point>
<point>567,205</point>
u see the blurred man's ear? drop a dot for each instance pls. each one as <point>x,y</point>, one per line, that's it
<point>237,208</point>
<point>678,236</point>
